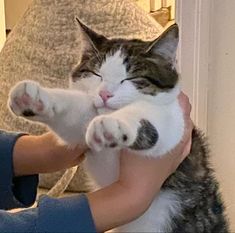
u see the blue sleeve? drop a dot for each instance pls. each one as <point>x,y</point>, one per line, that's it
<point>14,191</point>
<point>70,214</point>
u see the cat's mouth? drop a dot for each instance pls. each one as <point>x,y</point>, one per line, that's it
<point>104,110</point>
<point>105,106</point>
<point>100,104</point>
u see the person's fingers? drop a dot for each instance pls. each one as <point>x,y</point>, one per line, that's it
<point>187,149</point>
<point>80,159</point>
<point>186,107</point>
<point>187,146</point>
<point>178,157</point>
<point>185,104</point>
<point>183,149</point>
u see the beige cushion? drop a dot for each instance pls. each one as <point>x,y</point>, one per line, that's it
<point>45,45</point>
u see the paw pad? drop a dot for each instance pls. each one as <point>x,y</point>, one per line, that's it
<point>29,99</point>
<point>109,132</point>
<point>124,138</point>
<point>28,113</point>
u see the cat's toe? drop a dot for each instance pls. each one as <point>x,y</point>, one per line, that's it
<point>108,132</point>
<point>22,100</point>
<point>117,133</point>
<point>28,99</point>
<point>28,113</point>
<point>93,137</point>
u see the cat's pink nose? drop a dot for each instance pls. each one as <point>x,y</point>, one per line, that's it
<point>105,95</point>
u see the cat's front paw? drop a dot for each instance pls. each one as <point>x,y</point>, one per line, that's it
<point>109,132</point>
<point>30,100</point>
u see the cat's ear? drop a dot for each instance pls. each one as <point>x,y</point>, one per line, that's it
<point>166,44</point>
<point>91,39</point>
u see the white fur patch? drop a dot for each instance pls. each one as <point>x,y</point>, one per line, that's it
<point>113,70</point>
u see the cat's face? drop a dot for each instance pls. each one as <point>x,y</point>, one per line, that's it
<point>118,72</point>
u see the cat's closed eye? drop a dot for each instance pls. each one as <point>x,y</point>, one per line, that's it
<point>139,82</point>
<point>87,71</point>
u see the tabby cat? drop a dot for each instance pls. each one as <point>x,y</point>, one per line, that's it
<point>124,95</point>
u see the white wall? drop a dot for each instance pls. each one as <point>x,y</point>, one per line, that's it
<point>2,24</point>
<point>221,102</point>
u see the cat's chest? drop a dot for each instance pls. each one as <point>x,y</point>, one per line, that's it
<point>103,166</point>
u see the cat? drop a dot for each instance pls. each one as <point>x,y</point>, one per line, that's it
<point>123,94</point>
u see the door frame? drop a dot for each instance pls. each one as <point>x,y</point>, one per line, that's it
<point>193,18</point>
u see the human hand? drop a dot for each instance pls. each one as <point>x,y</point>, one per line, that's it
<point>143,177</point>
<point>43,154</point>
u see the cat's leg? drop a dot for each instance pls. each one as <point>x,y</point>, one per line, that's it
<point>141,126</point>
<point>66,112</point>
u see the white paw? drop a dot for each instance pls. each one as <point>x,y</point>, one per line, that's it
<point>109,132</point>
<point>30,100</point>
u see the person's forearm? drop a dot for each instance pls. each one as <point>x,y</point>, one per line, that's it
<point>42,154</point>
<point>114,206</point>
<point>117,204</point>
<point>139,182</point>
